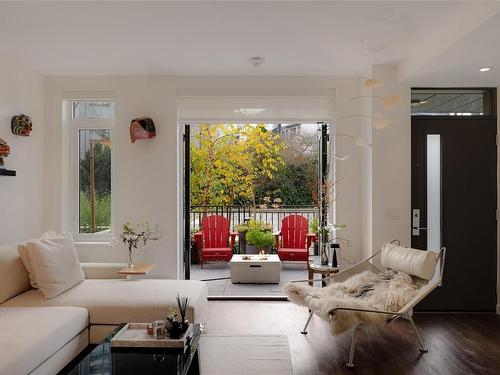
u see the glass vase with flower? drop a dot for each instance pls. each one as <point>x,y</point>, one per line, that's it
<point>135,235</point>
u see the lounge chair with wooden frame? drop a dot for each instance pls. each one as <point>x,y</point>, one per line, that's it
<point>426,287</point>
<point>293,241</point>
<point>215,240</point>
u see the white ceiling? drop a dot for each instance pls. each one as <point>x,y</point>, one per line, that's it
<point>296,38</point>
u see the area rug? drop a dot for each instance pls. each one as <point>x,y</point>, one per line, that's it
<point>244,354</point>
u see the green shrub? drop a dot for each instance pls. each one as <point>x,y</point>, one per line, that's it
<point>102,212</point>
<point>254,225</point>
<point>259,225</point>
<point>260,239</point>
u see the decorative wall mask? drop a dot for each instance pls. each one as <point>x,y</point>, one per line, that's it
<point>4,151</point>
<point>142,128</point>
<point>21,125</point>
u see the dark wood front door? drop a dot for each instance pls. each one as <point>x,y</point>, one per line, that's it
<point>454,200</point>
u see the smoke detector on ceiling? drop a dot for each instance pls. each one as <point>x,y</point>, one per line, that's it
<point>256,60</point>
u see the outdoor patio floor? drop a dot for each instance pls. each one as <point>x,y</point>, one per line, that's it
<point>289,271</point>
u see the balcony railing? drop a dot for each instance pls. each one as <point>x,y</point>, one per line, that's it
<point>240,214</point>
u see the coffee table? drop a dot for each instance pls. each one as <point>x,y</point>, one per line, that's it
<point>255,269</point>
<point>105,360</point>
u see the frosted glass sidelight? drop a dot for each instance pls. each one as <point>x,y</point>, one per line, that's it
<point>433,192</point>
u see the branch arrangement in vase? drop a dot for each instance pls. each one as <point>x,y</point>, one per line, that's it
<point>135,235</point>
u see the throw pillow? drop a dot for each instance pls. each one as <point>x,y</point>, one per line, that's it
<point>55,265</point>
<point>23,253</point>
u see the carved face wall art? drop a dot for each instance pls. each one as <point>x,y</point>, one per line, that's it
<point>21,125</point>
<point>4,151</point>
<point>142,128</point>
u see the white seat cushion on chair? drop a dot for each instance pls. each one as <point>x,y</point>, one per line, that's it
<point>413,262</point>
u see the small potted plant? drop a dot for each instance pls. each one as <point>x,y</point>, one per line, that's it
<point>254,227</point>
<point>195,250</point>
<point>262,240</point>
<point>242,230</point>
<point>314,227</point>
<point>171,316</point>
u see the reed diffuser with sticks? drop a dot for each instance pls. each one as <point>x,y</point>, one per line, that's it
<point>182,303</point>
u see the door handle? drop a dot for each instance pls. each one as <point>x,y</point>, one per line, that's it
<point>415,224</point>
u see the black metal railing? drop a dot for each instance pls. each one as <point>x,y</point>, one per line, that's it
<point>241,214</point>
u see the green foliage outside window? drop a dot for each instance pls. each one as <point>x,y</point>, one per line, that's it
<point>102,183</point>
<point>103,212</point>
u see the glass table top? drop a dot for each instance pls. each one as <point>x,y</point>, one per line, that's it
<point>105,360</point>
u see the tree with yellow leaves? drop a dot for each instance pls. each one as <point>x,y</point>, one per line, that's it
<point>227,161</point>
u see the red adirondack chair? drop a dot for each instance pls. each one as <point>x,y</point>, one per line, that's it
<point>213,239</point>
<point>295,239</point>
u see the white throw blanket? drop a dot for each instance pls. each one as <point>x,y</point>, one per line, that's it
<point>388,291</point>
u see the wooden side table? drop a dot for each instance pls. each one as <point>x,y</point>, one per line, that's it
<point>325,271</point>
<point>138,270</point>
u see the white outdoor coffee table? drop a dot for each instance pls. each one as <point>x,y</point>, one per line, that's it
<point>255,269</point>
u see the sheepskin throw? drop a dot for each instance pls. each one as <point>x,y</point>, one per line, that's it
<point>388,291</point>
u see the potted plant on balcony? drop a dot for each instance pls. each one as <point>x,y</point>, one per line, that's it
<point>195,250</point>
<point>257,236</point>
<point>263,241</point>
<point>242,230</point>
<point>314,227</point>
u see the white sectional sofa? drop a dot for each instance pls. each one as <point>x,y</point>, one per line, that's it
<point>43,335</point>
<point>41,340</point>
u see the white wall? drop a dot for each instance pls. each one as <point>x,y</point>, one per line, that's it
<point>147,172</point>
<point>391,163</point>
<point>21,197</point>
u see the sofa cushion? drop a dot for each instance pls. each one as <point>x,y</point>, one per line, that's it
<point>413,262</point>
<point>23,253</point>
<point>13,276</point>
<point>29,336</point>
<point>119,301</point>
<point>55,265</point>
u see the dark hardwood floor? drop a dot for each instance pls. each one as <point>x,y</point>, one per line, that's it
<point>457,343</point>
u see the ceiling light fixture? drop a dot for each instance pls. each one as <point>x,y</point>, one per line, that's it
<point>256,60</point>
<point>484,69</point>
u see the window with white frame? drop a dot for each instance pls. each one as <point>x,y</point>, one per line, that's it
<point>90,128</point>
